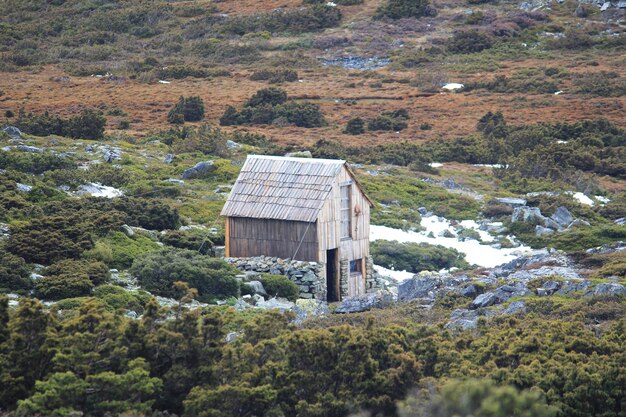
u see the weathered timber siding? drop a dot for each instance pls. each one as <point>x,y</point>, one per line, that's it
<point>280,238</point>
<point>329,229</point>
<point>329,224</point>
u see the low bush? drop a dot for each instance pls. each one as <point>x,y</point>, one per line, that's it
<point>117,297</point>
<point>355,126</point>
<point>125,250</point>
<point>271,105</point>
<point>193,239</point>
<point>188,109</point>
<point>67,285</point>
<point>213,278</point>
<point>393,120</point>
<point>97,272</point>
<point>14,273</point>
<point>415,257</point>
<point>468,42</point>
<point>280,286</point>
<point>400,9</point>
<point>275,76</point>
<point>87,125</point>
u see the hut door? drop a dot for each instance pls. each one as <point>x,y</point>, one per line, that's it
<point>332,277</point>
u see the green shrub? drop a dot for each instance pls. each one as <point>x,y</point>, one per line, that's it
<point>415,257</point>
<point>68,285</point>
<point>125,249</point>
<point>97,272</point>
<point>393,120</point>
<point>399,9</point>
<point>87,125</point>
<point>275,76</point>
<point>468,42</point>
<point>213,278</point>
<point>188,109</point>
<point>355,126</point>
<point>280,286</point>
<point>193,239</point>
<point>117,297</point>
<point>14,273</point>
<point>271,96</point>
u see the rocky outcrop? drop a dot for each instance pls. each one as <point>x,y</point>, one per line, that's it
<point>13,132</point>
<point>366,302</point>
<point>198,170</point>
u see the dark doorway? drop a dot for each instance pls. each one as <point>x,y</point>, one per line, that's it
<point>332,283</point>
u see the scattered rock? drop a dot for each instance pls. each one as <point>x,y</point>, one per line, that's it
<point>562,216</point>
<point>578,223</point>
<point>13,132</point>
<point>232,336</point>
<point>24,188</point>
<point>515,307</point>
<point>281,304</point>
<point>356,62</point>
<point>310,308</point>
<point>257,287</point>
<point>571,287</point>
<point>542,231</point>
<point>198,170</point>
<point>527,215</point>
<point>111,153</point>
<point>513,202</point>
<point>418,287</point>
<point>484,300</point>
<point>169,158</point>
<point>127,230</point>
<point>26,148</point>
<point>463,318</point>
<point>471,291</point>
<point>175,181</point>
<point>609,289</point>
<point>365,302</point>
<point>232,144</point>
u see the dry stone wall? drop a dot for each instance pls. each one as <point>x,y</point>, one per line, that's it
<point>309,276</point>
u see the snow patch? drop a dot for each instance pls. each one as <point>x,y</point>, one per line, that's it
<point>435,165</point>
<point>581,198</point>
<point>452,86</point>
<point>98,190</point>
<point>602,199</point>
<point>475,253</point>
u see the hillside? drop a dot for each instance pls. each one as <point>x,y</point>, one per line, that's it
<point>490,136</point>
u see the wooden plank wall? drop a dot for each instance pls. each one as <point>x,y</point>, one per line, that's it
<point>329,224</point>
<point>280,238</point>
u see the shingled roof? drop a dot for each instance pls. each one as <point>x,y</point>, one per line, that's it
<point>282,188</point>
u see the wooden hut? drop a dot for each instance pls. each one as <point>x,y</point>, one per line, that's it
<point>304,209</point>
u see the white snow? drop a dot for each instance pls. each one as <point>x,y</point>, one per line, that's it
<point>452,86</point>
<point>602,199</point>
<point>475,253</point>
<point>558,93</point>
<point>98,190</point>
<point>435,164</point>
<point>582,198</point>
<point>397,275</point>
<point>164,82</point>
<point>489,165</point>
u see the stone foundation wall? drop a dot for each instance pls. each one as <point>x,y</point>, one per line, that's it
<point>344,273</point>
<point>371,285</point>
<point>309,276</point>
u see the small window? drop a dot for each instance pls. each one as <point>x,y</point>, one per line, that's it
<point>345,214</point>
<point>355,266</point>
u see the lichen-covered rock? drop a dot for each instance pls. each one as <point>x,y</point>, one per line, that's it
<point>365,302</point>
<point>198,170</point>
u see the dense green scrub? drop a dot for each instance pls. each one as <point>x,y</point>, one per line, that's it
<point>93,360</point>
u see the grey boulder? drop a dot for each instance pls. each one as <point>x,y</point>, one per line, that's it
<point>562,216</point>
<point>417,287</point>
<point>484,300</point>
<point>169,158</point>
<point>13,132</point>
<point>198,170</point>
<point>527,215</point>
<point>365,302</point>
<point>610,289</point>
<point>257,287</point>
